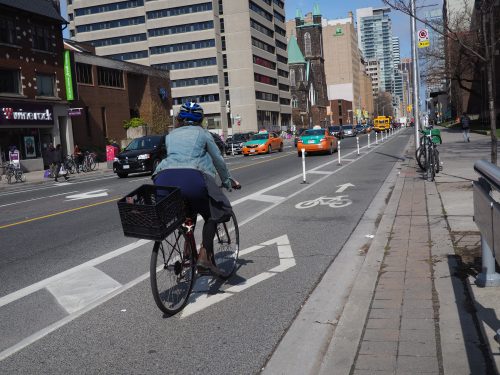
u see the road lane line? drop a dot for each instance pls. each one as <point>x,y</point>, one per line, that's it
<point>34,199</point>
<point>265,198</point>
<point>58,213</point>
<point>91,263</point>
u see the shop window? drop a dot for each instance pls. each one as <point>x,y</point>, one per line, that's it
<point>84,73</point>
<point>9,81</point>
<point>44,85</point>
<point>109,77</point>
<point>7,30</point>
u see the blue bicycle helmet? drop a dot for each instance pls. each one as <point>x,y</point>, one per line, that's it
<point>191,112</point>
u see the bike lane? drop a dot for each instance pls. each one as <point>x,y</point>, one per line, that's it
<point>129,335</point>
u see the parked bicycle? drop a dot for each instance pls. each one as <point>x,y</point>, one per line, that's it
<point>157,213</point>
<point>13,173</point>
<point>70,164</point>
<point>427,155</point>
<point>89,162</point>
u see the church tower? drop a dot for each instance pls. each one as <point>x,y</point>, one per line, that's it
<point>310,41</point>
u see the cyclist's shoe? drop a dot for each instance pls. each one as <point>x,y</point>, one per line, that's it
<point>204,264</point>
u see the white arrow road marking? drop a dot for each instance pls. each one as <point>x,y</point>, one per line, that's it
<point>196,304</point>
<point>342,188</point>
<point>87,195</point>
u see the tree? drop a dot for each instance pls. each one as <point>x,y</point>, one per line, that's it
<point>161,121</point>
<point>470,41</point>
<point>383,104</point>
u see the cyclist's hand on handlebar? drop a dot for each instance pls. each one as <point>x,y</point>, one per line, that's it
<point>235,184</point>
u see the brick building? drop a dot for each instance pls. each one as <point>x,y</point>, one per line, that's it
<point>341,112</point>
<point>33,109</point>
<point>109,92</point>
<point>309,94</point>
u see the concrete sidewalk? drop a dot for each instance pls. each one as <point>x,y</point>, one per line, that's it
<point>412,307</point>
<point>36,177</point>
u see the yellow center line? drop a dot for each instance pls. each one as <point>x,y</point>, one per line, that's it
<point>58,213</point>
<point>115,199</point>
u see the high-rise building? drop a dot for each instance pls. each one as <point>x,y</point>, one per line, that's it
<point>228,55</point>
<point>375,42</point>
<point>372,68</point>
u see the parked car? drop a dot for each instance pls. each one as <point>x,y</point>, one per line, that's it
<point>359,129</point>
<point>263,142</point>
<point>336,131</point>
<point>219,142</point>
<point>297,135</point>
<point>236,142</point>
<point>349,130</point>
<point>317,140</point>
<point>143,154</point>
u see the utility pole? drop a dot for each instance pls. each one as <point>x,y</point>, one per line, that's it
<point>416,78</point>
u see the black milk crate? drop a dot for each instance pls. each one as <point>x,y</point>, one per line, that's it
<point>151,212</point>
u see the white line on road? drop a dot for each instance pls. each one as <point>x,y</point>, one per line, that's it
<point>36,199</point>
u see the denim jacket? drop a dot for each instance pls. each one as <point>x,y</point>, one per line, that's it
<point>193,147</point>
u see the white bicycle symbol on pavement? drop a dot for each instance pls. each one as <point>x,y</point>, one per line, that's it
<point>335,202</point>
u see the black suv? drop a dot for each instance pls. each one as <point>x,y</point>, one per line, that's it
<point>337,131</point>
<point>236,142</point>
<point>143,154</point>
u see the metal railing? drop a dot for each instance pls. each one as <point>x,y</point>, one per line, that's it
<point>487,219</point>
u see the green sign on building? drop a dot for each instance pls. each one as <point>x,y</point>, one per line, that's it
<point>339,31</point>
<point>68,78</point>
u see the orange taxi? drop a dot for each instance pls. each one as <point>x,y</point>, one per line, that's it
<point>263,142</point>
<point>317,139</point>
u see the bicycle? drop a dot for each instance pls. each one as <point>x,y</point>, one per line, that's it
<point>14,172</point>
<point>427,155</point>
<point>173,260</point>
<point>70,164</point>
<point>89,162</point>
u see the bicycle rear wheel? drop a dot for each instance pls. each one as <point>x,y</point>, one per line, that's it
<point>172,272</point>
<point>430,171</point>
<point>227,247</point>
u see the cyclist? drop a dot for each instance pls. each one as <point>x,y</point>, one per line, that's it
<point>191,164</point>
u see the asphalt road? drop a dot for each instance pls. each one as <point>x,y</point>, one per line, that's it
<point>75,294</point>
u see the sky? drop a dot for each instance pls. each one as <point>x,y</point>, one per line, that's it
<point>331,9</point>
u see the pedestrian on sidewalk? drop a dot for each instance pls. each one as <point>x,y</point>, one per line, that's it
<point>58,159</point>
<point>465,121</point>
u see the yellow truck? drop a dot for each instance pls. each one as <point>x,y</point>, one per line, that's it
<point>381,123</point>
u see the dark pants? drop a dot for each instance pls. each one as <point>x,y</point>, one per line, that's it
<point>194,191</point>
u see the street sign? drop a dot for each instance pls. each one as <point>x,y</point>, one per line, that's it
<point>423,38</point>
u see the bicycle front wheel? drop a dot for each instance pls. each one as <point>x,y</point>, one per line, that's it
<point>172,272</point>
<point>227,247</point>
<point>430,164</point>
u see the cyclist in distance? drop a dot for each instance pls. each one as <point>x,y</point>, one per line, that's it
<point>192,161</point>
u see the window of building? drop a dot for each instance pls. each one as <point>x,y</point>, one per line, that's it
<point>281,45</point>
<point>267,119</point>
<point>279,3</point>
<point>281,59</point>
<point>222,30</point>
<point>70,16</point>
<point>109,77</point>
<point>284,87</point>
<point>282,73</point>
<point>293,82</point>
<point>226,79</point>
<point>257,9</point>
<point>9,81</point>
<point>179,29</point>
<point>221,8</point>
<point>45,85</point>
<point>196,81</point>
<point>223,42</point>
<point>264,62</point>
<point>7,30</point>
<point>260,95</point>
<point>284,101</point>
<point>84,73</point>
<point>307,44</point>
<point>41,38</point>
<point>260,27</point>
<point>72,33</point>
<point>265,79</point>
<point>118,40</point>
<point>198,99</point>
<point>264,46</point>
<point>188,9</point>
<point>129,55</point>
<point>109,7</point>
<point>279,17</point>
<point>182,46</point>
<point>295,102</point>
<point>187,64</point>
<point>224,61</point>
<point>280,31</point>
<point>111,24</point>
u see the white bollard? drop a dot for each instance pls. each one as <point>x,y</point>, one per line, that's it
<point>232,148</point>
<point>338,151</point>
<point>369,140</point>
<point>357,143</point>
<point>376,138</point>
<point>304,166</point>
